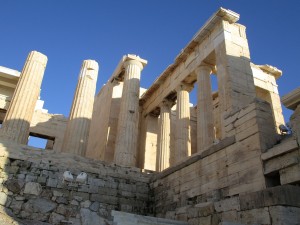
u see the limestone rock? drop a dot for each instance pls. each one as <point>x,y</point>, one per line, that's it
<point>4,162</point>
<point>90,218</point>
<point>3,198</point>
<point>62,200</point>
<point>67,210</point>
<point>14,185</point>
<point>57,193</point>
<point>75,221</point>
<point>284,215</point>
<point>16,206</point>
<point>33,188</point>
<point>85,204</point>
<point>33,222</point>
<point>95,206</point>
<point>56,218</point>
<point>39,205</point>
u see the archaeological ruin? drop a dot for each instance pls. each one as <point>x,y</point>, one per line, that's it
<point>129,155</point>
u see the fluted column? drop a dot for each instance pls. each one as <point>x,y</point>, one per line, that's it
<point>77,131</point>
<point>17,120</point>
<point>205,122</point>
<point>163,137</point>
<point>183,129</point>
<point>126,140</point>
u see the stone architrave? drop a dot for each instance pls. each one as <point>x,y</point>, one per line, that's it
<point>163,137</point>
<point>126,140</point>
<point>17,120</point>
<point>77,131</point>
<point>205,120</point>
<point>292,102</point>
<point>183,129</point>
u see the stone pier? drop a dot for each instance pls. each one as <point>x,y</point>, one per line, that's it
<point>236,87</point>
<point>17,120</point>
<point>205,120</point>
<point>183,134</point>
<point>163,137</point>
<point>77,132</point>
<point>126,140</point>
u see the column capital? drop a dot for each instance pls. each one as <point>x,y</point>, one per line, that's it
<point>133,62</point>
<point>166,103</point>
<point>115,81</point>
<point>90,69</point>
<point>38,57</point>
<point>204,67</point>
<point>184,87</point>
<point>90,64</point>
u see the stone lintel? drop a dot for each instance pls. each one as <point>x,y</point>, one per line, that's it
<point>221,15</point>
<point>9,77</point>
<point>292,99</point>
<point>271,70</point>
<point>9,73</point>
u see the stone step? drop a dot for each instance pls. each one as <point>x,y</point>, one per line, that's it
<point>123,218</point>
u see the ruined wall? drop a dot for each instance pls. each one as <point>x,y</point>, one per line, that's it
<point>49,126</point>
<point>267,89</point>
<point>231,167</point>
<point>98,134</point>
<point>32,187</point>
<point>282,162</point>
<point>276,206</point>
<point>148,142</point>
<point>6,94</point>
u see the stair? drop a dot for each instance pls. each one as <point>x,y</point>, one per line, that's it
<point>122,218</point>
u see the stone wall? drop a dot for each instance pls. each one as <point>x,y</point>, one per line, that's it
<point>282,162</point>
<point>227,172</point>
<point>267,89</point>
<point>230,182</point>
<point>276,206</point>
<point>32,187</point>
<point>98,135</point>
<point>49,126</point>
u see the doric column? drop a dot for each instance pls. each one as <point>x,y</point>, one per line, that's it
<point>16,123</point>
<point>163,137</point>
<point>77,131</point>
<point>205,122</point>
<point>126,140</point>
<point>183,135</point>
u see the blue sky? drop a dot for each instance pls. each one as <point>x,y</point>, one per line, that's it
<point>69,31</point>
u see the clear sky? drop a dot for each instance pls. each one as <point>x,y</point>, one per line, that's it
<point>70,31</point>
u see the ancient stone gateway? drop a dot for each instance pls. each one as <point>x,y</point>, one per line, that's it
<point>149,151</point>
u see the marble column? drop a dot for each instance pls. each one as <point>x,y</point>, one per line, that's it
<point>183,129</point>
<point>163,137</point>
<point>126,140</point>
<point>17,120</point>
<point>205,121</point>
<point>77,131</point>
